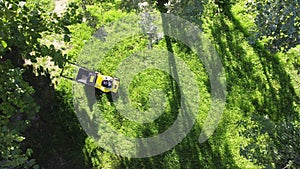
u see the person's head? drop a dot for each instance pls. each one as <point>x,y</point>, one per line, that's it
<point>106,83</point>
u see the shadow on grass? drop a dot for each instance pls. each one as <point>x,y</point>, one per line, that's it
<point>281,93</point>
<point>55,135</point>
<point>264,84</point>
<point>214,153</point>
<point>262,73</point>
<point>187,154</point>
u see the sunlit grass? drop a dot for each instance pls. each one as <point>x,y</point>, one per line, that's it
<point>248,91</point>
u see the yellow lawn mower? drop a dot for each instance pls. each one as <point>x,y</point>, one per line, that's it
<point>95,79</point>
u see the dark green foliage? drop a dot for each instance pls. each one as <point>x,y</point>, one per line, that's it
<point>274,145</point>
<point>188,9</point>
<point>56,137</point>
<point>278,21</point>
<point>17,108</point>
<point>21,27</point>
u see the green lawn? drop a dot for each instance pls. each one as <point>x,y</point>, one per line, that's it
<point>259,85</point>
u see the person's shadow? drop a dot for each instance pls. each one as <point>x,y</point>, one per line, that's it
<point>94,94</point>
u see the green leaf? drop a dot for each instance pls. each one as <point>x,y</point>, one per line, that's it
<point>4,129</point>
<point>4,44</point>
<point>67,38</point>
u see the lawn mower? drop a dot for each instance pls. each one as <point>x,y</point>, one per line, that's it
<point>95,79</point>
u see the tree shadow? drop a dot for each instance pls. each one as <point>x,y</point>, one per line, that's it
<point>91,91</point>
<point>188,153</point>
<point>241,71</point>
<point>55,134</point>
<point>275,97</point>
